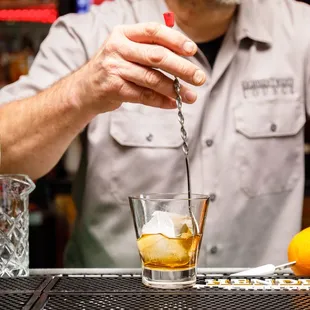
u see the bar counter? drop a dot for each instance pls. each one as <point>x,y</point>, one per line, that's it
<point>53,289</point>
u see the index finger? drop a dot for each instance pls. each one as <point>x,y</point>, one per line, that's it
<point>155,33</point>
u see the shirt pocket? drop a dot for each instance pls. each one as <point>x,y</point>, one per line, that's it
<point>269,145</point>
<point>146,152</point>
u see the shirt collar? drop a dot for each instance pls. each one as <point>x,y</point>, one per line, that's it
<point>254,20</point>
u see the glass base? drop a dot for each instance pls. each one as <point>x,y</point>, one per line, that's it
<point>14,269</point>
<point>165,279</point>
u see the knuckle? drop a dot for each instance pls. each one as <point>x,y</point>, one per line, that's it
<point>152,79</point>
<point>147,95</point>
<point>125,50</point>
<point>156,55</point>
<point>152,29</point>
<point>110,64</point>
<point>117,45</point>
<point>120,87</point>
<point>113,45</point>
<point>115,41</point>
<point>184,69</point>
<point>113,67</point>
<point>116,86</point>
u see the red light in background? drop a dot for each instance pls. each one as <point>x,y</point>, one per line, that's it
<point>46,13</point>
<point>43,14</point>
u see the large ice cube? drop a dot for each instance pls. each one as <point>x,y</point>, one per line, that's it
<point>159,250</point>
<point>168,224</point>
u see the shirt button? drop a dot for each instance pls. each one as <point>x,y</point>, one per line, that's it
<point>212,197</point>
<point>273,127</point>
<point>214,249</point>
<point>209,142</point>
<point>149,137</point>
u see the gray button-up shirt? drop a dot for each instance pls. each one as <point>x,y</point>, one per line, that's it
<point>245,136</point>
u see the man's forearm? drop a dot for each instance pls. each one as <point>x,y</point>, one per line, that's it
<point>35,132</point>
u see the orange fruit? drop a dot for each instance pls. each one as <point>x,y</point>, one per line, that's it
<point>299,251</point>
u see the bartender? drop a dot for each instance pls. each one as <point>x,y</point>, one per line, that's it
<point>108,76</point>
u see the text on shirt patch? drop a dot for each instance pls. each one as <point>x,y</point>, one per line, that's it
<point>267,87</point>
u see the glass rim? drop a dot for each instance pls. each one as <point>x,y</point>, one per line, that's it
<point>165,197</point>
<point>22,178</point>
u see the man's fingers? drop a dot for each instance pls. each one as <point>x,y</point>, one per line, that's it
<point>136,94</point>
<point>165,60</point>
<point>155,80</point>
<point>155,33</point>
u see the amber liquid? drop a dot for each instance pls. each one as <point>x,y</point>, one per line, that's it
<point>159,252</point>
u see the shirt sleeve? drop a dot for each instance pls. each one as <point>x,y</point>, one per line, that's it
<point>62,52</point>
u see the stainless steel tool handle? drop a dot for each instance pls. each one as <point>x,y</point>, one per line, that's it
<point>177,88</point>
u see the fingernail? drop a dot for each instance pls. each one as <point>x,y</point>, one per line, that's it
<point>189,47</point>
<point>190,96</point>
<point>199,77</point>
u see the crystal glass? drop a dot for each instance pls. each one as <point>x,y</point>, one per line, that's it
<point>14,225</point>
<point>168,237</point>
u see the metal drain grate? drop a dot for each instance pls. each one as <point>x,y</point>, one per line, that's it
<point>127,292</point>
<point>83,284</point>
<point>20,284</point>
<point>179,301</point>
<point>129,283</point>
<point>14,301</point>
<point>104,284</point>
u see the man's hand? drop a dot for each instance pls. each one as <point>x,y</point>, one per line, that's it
<point>126,69</point>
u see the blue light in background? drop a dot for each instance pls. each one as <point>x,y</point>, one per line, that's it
<point>83,6</point>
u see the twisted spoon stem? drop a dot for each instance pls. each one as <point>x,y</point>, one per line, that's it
<point>177,88</point>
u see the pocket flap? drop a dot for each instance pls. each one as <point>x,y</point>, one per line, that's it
<point>157,130</point>
<point>274,118</point>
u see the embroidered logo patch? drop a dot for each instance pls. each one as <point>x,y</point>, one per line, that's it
<point>267,87</point>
